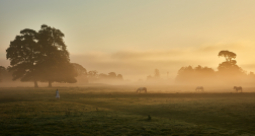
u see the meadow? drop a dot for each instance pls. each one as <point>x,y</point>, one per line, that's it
<point>118,110</point>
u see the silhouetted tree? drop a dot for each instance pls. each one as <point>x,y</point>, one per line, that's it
<point>229,68</point>
<point>185,74</point>
<point>80,70</point>
<point>40,56</point>
<point>227,54</point>
<point>189,75</point>
<point>54,61</point>
<point>112,75</point>
<point>102,76</point>
<point>119,77</point>
<point>93,75</point>
<point>251,78</point>
<point>24,54</point>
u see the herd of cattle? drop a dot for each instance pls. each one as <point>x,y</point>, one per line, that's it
<point>199,88</point>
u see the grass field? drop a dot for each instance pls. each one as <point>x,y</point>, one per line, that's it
<point>112,110</point>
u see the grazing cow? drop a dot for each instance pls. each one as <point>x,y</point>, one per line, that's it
<point>57,94</point>
<point>200,88</point>
<point>141,89</point>
<point>238,88</point>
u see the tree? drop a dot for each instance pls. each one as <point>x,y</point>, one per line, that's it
<point>55,60</point>
<point>102,76</point>
<point>80,70</point>
<point>120,77</point>
<point>2,71</point>
<point>112,75</point>
<point>156,74</point>
<point>227,54</point>
<point>185,74</point>
<point>228,70</point>
<point>93,75</point>
<point>40,56</point>
<point>229,67</point>
<point>199,74</point>
<point>23,54</point>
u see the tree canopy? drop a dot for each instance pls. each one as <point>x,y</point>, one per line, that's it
<point>40,56</point>
<point>197,74</point>
<point>227,54</point>
<point>229,67</point>
<point>80,70</point>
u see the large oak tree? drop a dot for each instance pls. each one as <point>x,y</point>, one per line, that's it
<point>40,56</point>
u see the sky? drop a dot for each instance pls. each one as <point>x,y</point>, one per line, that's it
<point>134,37</point>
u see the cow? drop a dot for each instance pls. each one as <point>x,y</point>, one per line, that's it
<point>238,88</point>
<point>141,89</point>
<point>200,88</point>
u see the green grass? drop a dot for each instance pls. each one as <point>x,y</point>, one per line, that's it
<point>117,111</point>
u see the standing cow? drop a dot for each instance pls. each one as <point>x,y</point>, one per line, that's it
<point>200,88</point>
<point>141,89</point>
<point>238,88</point>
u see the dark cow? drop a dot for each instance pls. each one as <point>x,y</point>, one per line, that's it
<point>238,88</point>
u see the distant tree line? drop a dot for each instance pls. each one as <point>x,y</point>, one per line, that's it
<point>94,76</point>
<point>228,72</point>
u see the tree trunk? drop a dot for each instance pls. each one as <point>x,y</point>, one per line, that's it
<point>35,84</point>
<point>50,84</point>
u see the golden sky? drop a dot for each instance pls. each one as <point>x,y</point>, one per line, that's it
<point>133,37</point>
